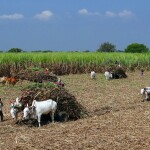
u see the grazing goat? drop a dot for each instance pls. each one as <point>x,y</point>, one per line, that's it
<point>26,112</point>
<point>44,107</point>
<point>3,80</point>
<point>13,111</point>
<point>93,75</point>
<point>115,76</point>
<point>112,75</point>
<point>145,89</point>
<point>11,81</point>
<point>60,83</point>
<point>15,108</point>
<point>145,92</point>
<point>108,75</point>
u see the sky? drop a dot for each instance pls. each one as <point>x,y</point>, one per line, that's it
<point>73,25</point>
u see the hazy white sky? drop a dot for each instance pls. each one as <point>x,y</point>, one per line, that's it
<point>72,25</point>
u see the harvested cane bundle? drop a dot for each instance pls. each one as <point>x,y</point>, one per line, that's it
<point>121,72</point>
<point>36,76</point>
<point>67,106</point>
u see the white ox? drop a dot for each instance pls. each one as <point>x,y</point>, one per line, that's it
<point>43,107</point>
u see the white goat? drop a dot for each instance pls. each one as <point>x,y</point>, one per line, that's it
<point>13,111</point>
<point>145,92</point>
<point>17,101</point>
<point>14,108</point>
<point>93,75</point>
<point>44,107</point>
<point>108,75</point>
<point>26,112</point>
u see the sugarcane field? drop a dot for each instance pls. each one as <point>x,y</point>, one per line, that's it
<point>95,109</point>
<point>74,75</point>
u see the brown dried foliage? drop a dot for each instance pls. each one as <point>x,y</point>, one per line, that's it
<point>68,107</point>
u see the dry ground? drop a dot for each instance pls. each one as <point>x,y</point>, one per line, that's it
<point>118,121</point>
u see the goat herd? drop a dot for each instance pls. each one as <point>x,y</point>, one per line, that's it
<point>145,92</point>
<point>35,111</point>
<point>108,75</point>
<point>47,106</point>
<point>8,80</point>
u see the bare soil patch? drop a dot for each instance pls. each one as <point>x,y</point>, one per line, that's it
<point>119,120</point>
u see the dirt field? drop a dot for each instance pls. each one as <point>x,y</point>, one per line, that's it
<point>119,119</point>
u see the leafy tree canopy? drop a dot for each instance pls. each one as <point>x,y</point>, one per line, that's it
<point>136,48</point>
<point>15,50</point>
<point>106,47</point>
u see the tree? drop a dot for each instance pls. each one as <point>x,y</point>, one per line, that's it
<point>136,48</point>
<point>86,51</point>
<point>15,50</point>
<point>106,47</point>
